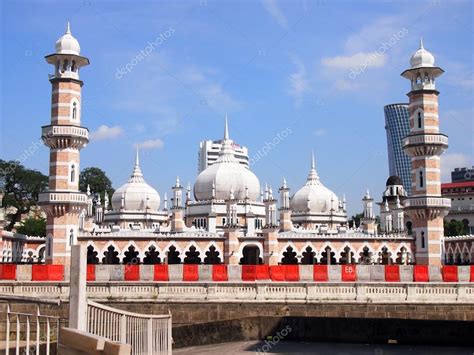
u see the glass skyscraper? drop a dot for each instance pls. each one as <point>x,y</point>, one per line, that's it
<point>397,125</point>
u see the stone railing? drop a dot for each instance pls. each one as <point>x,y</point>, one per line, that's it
<point>63,197</point>
<point>426,139</point>
<point>69,131</point>
<point>428,202</point>
<point>255,292</point>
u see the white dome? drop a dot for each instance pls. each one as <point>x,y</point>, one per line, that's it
<point>67,44</point>
<point>422,58</point>
<point>320,198</point>
<point>224,175</point>
<point>137,194</point>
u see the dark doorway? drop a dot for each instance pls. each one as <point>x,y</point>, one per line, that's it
<point>251,255</point>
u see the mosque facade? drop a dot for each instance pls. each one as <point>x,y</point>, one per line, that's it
<point>228,216</point>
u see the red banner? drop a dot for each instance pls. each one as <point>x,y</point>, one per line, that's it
<point>90,272</point>
<point>131,272</point>
<point>47,272</point>
<point>320,272</point>
<point>161,272</point>
<point>7,271</point>
<point>392,273</point>
<point>262,272</point>
<point>421,273</point>
<point>219,272</point>
<point>348,273</point>
<point>472,273</point>
<point>277,272</point>
<point>292,272</point>
<point>190,272</point>
<point>249,272</point>
<point>450,273</point>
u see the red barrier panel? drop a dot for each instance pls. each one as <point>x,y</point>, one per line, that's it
<point>249,272</point>
<point>320,273</point>
<point>7,271</point>
<point>472,273</point>
<point>348,273</point>
<point>161,272</point>
<point>90,272</point>
<point>219,272</point>
<point>392,273</point>
<point>277,272</point>
<point>450,273</point>
<point>131,272</point>
<point>47,272</point>
<point>292,272</point>
<point>262,272</point>
<point>420,273</point>
<point>190,272</point>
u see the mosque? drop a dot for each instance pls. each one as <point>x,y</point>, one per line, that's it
<point>228,217</point>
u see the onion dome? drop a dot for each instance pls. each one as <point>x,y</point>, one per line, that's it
<point>422,58</point>
<point>393,180</point>
<point>314,197</point>
<point>226,174</point>
<point>67,44</point>
<point>136,194</point>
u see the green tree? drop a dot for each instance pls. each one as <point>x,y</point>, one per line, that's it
<point>21,188</point>
<point>97,180</point>
<point>33,226</point>
<point>357,219</point>
<point>453,227</point>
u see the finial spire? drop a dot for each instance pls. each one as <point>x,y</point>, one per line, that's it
<point>313,165</point>
<point>137,175</point>
<point>226,129</point>
<point>68,28</point>
<point>421,43</point>
<point>137,158</point>
<point>313,175</point>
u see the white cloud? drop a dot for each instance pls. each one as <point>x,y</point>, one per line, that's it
<point>319,132</point>
<point>449,161</point>
<point>299,83</point>
<point>151,144</point>
<point>365,59</point>
<point>274,10</point>
<point>347,85</point>
<point>105,132</point>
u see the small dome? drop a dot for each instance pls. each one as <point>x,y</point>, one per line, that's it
<point>137,194</point>
<point>393,180</point>
<point>422,58</point>
<point>67,44</point>
<point>314,195</point>
<point>224,175</point>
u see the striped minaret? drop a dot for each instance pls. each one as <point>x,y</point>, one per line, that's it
<point>424,145</point>
<point>64,137</point>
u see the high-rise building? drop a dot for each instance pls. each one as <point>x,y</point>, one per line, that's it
<point>397,126</point>
<point>209,152</point>
<point>425,206</point>
<point>462,174</point>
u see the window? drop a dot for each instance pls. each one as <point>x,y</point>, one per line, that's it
<point>419,119</point>
<point>73,173</point>
<point>421,179</point>
<point>422,240</point>
<point>74,110</point>
<point>71,237</point>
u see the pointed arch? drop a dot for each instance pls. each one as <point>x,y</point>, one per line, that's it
<point>309,255</point>
<point>347,254</point>
<point>328,254</point>
<point>289,255</point>
<point>173,254</point>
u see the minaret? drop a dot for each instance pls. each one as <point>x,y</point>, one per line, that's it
<point>65,137</point>
<point>177,218</point>
<point>285,211</point>
<point>424,145</point>
<point>368,219</point>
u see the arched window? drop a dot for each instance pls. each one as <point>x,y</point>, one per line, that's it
<point>73,173</point>
<point>422,240</point>
<point>73,66</point>
<point>422,183</point>
<point>419,119</point>
<point>74,110</point>
<point>71,237</point>
<point>65,65</point>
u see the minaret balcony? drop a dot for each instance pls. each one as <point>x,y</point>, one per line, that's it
<point>428,202</point>
<point>59,203</point>
<point>65,136</point>
<point>425,144</point>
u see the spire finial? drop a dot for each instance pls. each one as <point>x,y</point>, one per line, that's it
<point>421,43</point>
<point>313,175</point>
<point>313,165</point>
<point>68,28</point>
<point>137,158</point>
<point>226,129</point>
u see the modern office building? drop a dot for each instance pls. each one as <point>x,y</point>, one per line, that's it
<point>209,153</point>
<point>397,127</point>
<point>462,174</point>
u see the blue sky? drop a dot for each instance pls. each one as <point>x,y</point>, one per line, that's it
<point>271,65</point>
